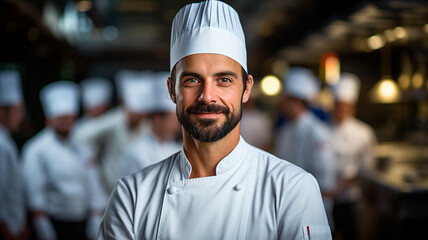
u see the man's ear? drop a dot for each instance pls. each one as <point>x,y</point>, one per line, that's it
<point>171,89</point>
<point>247,91</point>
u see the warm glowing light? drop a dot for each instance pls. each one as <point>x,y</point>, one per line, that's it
<point>331,65</point>
<point>417,80</point>
<point>389,35</point>
<point>426,28</point>
<point>400,32</point>
<point>385,91</point>
<point>404,81</point>
<point>271,85</point>
<point>84,5</point>
<point>376,41</point>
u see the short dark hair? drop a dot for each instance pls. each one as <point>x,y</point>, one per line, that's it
<point>174,73</point>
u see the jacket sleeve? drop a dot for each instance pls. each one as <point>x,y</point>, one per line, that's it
<point>12,203</point>
<point>36,178</point>
<point>118,221</point>
<point>301,214</point>
<point>321,159</point>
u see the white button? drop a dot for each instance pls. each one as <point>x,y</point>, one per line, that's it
<point>237,187</point>
<point>172,190</point>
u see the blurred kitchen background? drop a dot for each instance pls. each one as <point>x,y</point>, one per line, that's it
<point>384,42</point>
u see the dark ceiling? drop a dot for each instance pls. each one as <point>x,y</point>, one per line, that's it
<point>297,31</point>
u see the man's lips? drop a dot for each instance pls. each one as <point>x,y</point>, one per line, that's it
<point>207,114</point>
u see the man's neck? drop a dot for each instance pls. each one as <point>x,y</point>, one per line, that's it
<point>204,156</point>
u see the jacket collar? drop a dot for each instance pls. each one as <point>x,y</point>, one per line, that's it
<point>231,161</point>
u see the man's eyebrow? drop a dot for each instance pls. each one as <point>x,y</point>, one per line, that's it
<point>190,74</point>
<point>226,73</point>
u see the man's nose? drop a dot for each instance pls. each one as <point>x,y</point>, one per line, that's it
<point>208,94</point>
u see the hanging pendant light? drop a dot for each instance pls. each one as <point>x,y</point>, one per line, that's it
<point>386,90</point>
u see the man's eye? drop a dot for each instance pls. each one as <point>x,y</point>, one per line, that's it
<point>225,80</point>
<point>192,80</point>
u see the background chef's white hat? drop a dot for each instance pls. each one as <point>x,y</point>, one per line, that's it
<point>207,27</point>
<point>138,94</point>
<point>348,88</point>
<point>120,77</point>
<point>163,102</point>
<point>60,98</point>
<point>95,92</point>
<point>10,88</point>
<point>301,83</point>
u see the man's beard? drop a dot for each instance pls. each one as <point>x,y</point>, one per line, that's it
<point>206,130</point>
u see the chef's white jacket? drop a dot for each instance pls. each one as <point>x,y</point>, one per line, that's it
<point>12,203</point>
<point>108,136</point>
<point>146,150</point>
<point>254,195</point>
<point>353,143</point>
<point>61,177</point>
<point>306,143</point>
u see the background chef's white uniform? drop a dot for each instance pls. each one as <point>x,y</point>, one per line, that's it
<point>145,151</point>
<point>353,143</point>
<point>62,182</point>
<point>60,177</point>
<point>148,148</point>
<point>305,142</point>
<point>12,203</point>
<point>253,196</point>
<point>109,134</point>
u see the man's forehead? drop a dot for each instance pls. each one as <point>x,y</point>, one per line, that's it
<point>208,63</point>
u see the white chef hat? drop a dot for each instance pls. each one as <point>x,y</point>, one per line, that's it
<point>138,94</point>
<point>207,27</point>
<point>163,102</point>
<point>301,83</point>
<point>348,88</point>
<point>120,78</point>
<point>10,88</point>
<point>60,98</point>
<point>95,92</point>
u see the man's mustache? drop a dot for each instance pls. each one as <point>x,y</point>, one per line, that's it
<point>207,108</point>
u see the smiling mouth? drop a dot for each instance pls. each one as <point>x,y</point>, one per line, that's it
<point>207,114</point>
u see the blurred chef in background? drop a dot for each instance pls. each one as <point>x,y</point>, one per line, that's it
<point>96,97</point>
<point>256,126</point>
<point>12,202</point>
<point>353,143</point>
<point>304,140</point>
<point>109,134</point>
<point>159,141</point>
<point>64,197</point>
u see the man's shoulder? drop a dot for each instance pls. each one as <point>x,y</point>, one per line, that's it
<point>272,166</point>
<point>38,141</point>
<point>281,175</point>
<point>151,172</point>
